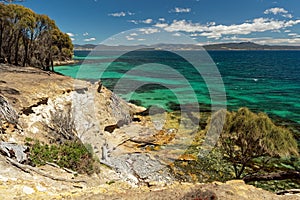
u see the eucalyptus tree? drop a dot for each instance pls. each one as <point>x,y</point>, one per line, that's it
<point>27,38</point>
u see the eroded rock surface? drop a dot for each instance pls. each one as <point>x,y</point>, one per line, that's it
<point>135,152</point>
<point>40,95</point>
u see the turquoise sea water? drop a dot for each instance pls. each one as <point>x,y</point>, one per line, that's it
<point>267,81</point>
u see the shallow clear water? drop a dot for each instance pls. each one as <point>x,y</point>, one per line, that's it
<point>267,81</point>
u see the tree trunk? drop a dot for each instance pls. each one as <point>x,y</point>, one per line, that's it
<point>9,48</point>
<point>292,174</point>
<point>26,52</point>
<point>17,45</point>
<point>25,56</point>
<point>241,171</point>
<point>1,38</point>
<point>52,66</point>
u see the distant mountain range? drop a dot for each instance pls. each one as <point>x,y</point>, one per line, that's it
<point>221,46</point>
<point>248,46</point>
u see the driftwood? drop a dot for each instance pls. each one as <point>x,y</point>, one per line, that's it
<point>30,169</point>
<point>65,169</point>
<point>70,171</point>
<point>53,164</point>
<point>292,174</point>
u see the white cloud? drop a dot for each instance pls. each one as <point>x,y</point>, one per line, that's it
<point>85,34</point>
<point>129,38</point>
<point>294,41</point>
<point>195,35</point>
<point>130,13</point>
<point>217,31</point>
<point>176,34</point>
<point>288,15</point>
<point>89,39</point>
<point>147,21</point>
<point>274,41</point>
<point>161,25</point>
<point>121,14</point>
<point>70,34</point>
<point>133,34</point>
<point>294,35</point>
<point>73,39</point>
<point>133,21</point>
<point>265,40</point>
<point>276,11</point>
<point>180,10</point>
<point>162,19</point>
<point>149,30</point>
<point>287,31</point>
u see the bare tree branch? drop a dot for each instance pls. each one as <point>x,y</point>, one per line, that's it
<point>292,174</point>
<point>29,169</point>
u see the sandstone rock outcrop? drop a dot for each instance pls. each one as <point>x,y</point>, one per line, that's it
<point>134,165</point>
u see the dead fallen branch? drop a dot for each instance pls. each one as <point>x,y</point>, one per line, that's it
<point>292,174</point>
<point>291,191</point>
<point>64,168</point>
<point>30,169</point>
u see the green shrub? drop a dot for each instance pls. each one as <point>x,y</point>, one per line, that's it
<point>71,154</point>
<point>250,143</point>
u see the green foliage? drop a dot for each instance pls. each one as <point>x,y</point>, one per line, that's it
<point>205,169</point>
<point>249,144</point>
<point>247,135</point>
<point>27,38</point>
<point>71,154</point>
<point>66,53</point>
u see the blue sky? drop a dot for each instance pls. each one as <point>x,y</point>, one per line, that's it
<point>206,21</point>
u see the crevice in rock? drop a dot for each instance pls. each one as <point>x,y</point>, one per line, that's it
<point>136,119</point>
<point>111,128</point>
<point>119,124</point>
<point>9,91</point>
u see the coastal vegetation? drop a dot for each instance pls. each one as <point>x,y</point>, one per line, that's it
<point>30,39</point>
<point>251,147</point>
<point>71,155</point>
<point>64,147</point>
<point>247,136</point>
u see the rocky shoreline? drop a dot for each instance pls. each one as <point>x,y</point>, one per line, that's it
<point>133,166</point>
<point>65,62</point>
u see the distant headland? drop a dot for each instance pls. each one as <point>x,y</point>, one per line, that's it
<point>188,47</point>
